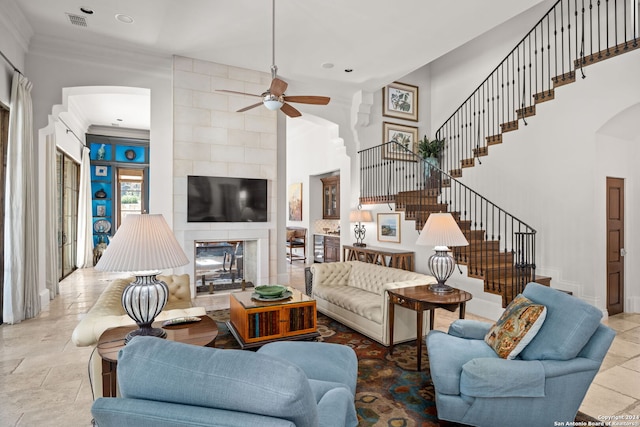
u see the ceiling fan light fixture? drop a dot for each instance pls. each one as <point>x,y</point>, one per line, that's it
<point>272,102</point>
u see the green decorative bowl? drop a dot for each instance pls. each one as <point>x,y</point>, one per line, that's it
<point>270,291</point>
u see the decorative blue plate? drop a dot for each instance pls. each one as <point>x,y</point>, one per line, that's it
<point>102,226</point>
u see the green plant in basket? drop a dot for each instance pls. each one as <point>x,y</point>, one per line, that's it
<point>430,148</point>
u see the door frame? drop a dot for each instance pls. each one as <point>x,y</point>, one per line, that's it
<point>614,258</point>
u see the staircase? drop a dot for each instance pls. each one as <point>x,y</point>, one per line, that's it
<point>501,251</point>
<point>570,36</point>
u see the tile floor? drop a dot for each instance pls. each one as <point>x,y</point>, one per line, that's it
<point>44,380</point>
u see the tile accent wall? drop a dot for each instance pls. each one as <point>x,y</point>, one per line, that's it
<point>211,139</point>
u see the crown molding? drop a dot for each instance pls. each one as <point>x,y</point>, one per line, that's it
<point>119,132</point>
<point>109,57</point>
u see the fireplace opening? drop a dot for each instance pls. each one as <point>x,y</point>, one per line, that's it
<point>220,266</point>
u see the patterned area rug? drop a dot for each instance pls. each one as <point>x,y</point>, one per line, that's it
<point>390,392</point>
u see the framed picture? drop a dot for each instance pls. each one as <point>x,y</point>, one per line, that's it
<point>389,227</point>
<point>402,141</point>
<point>101,210</point>
<point>101,170</point>
<point>295,202</point>
<point>400,100</point>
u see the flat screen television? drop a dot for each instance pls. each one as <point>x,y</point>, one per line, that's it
<point>225,199</point>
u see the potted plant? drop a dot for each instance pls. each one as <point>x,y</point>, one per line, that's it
<point>429,150</point>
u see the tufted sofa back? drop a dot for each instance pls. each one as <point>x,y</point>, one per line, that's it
<point>372,277</point>
<point>108,312</point>
<point>179,291</point>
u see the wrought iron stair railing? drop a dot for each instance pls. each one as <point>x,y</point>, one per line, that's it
<point>501,247</point>
<point>570,36</point>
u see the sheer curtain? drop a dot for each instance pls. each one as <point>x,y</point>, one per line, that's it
<point>21,299</point>
<point>51,218</point>
<point>84,256</point>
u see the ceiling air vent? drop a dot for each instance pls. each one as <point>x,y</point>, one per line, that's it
<point>77,20</point>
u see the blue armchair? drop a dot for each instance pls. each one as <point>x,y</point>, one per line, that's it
<point>164,383</point>
<point>546,382</point>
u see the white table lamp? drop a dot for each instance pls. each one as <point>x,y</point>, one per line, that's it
<point>441,231</point>
<point>143,245</point>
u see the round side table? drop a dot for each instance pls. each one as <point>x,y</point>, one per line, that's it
<point>202,333</point>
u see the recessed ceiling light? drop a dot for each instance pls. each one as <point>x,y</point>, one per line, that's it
<point>348,70</point>
<point>327,65</point>
<point>119,120</point>
<point>126,19</point>
<point>86,10</point>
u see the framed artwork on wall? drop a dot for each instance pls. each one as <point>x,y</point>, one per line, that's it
<point>399,141</point>
<point>295,202</point>
<point>389,227</point>
<point>400,100</point>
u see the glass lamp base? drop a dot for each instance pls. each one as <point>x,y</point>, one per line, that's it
<point>148,332</point>
<point>440,288</point>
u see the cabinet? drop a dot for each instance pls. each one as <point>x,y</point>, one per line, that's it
<point>387,257</point>
<point>254,323</point>
<point>331,249</point>
<point>326,248</point>
<point>331,197</point>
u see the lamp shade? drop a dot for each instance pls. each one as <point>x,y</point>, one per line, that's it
<point>142,243</point>
<point>441,229</point>
<point>358,215</point>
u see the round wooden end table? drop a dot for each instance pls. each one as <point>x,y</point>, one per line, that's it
<point>202,333</point>
<point>419,299</point>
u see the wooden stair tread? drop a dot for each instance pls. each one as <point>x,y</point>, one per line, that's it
<point>526,112</point>
<point>544,96</point>
<point>481,151</point>
<point>509,126</point>
<point>494,139</point>
<point>608,53</point>
<point>564,79</point>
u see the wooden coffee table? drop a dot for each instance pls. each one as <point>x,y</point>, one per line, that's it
<point>419,299</point>
<point>254,323</point>
<point>202,333</point>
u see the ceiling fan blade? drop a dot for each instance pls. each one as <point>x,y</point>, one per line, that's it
<point>317,100</point>
<point>290,111</point>
<point>278,86</point>
<point>236,93</point>
<point>242,110</point>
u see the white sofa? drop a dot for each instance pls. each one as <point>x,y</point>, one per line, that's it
<point>108,312</point>
<point>354,294</point>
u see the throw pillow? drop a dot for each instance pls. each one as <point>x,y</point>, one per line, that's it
<point>290,235</point>
<point>517,326</point>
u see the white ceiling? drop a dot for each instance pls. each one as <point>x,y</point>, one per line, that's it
<point>379,40</point>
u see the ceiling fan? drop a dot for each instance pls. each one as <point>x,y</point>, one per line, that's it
<point>274,98</point>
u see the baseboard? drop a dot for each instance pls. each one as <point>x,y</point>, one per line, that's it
<point>44,298</point>
<point>632,305</point>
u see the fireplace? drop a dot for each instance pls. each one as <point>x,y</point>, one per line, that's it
<point>224,265</point>
<point>253,266</point>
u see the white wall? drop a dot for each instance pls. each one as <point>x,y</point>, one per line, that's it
<point>53,66</point>
<point>15,33</point>
<point>212,139</point>
<point>314,150</point>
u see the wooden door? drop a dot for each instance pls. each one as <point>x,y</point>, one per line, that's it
<point>615,245</point>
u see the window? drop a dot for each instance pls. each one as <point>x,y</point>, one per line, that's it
<point>131,192</point>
